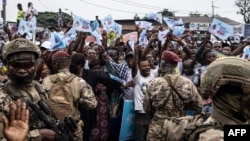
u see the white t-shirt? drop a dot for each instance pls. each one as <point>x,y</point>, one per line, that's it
<point>140,87</point>
<point>155,71</point>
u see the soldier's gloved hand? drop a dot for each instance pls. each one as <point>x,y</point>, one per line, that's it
<point>47,134</point>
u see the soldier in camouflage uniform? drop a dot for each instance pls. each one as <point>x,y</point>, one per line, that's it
<point>169,96</point>
<point>81,92</point>
<point>227,81</point>
<point>20,56</point>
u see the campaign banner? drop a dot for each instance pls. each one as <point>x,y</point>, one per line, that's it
<point>117,28</point>
<point>32,23</point>
<point>69,36</point>
<point>247,31</point>
<point>81,24</point>
<point>238,30</point>
<point>97,37</point>
<point>107,22</point>
<point>172,23</point>
<point>56,42</point>
<point>131,43</point>
<point>220,29</point>
<point>162,35</point>
<point>178,30</point>
<point>213,39</point>
<point>144,25</point>
<point>23,27</point>
<point>246,53</point>
<point>155,16</point>
<point>143,40</point>
<point>127,131</point>
<point>95,25</point>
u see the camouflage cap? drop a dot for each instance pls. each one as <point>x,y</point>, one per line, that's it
<point>20,45</point>
<point>226,71</point>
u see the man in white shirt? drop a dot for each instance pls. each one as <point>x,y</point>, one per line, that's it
<point>142,74</point>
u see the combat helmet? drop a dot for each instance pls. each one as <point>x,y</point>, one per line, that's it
<point>20,45</point>
<point>226,71</point>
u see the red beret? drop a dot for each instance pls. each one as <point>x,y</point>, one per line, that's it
<point>170,56</point>
<point>59,55</point>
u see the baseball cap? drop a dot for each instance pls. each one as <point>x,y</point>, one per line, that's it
<point>129,54</point>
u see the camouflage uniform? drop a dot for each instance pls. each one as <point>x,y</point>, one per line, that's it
<point>211,134</point>
<point>233,72</point>
<point>227,81</point>
<point>82,94</point>
<point>12,91</point>
<point>165,105</point>
<point>28,92</point>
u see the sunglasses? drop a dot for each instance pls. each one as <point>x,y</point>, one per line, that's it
<point>23,65</point>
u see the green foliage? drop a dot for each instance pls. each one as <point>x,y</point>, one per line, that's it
<point>136,17</point>
<point>167,13</point>
<point>49,19</point>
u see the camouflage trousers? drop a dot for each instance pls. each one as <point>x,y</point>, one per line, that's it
<point>77,135</point>
<point>156,131</point>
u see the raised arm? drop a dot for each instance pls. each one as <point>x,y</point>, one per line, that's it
<point>82,43</point>
<point>148,48</point>
<point>240,48</point>
<point>135,62</point>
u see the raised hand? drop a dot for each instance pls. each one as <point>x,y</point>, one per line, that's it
<point>104,35</point>
<point>191,33</point>
<point>154,37</point>
<point>16,128</point>
<point>6,29</point>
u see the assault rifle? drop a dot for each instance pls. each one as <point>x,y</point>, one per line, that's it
<point>62,130</point>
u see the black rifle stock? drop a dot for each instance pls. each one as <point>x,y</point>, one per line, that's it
<point>52,123</point>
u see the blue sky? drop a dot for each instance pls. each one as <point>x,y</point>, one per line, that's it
<point>126,9</point>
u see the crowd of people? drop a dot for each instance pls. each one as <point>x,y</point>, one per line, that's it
<point>168,82</point>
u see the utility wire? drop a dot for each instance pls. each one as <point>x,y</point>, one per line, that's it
<point>161,8</point>
<point>147,6</point>
<point>112,8</point>
<point>144,4</point>
<point>138,5</point>
<point>44,5</point>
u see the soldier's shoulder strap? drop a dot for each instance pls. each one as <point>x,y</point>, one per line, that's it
<point>17,95</point>
<point>14,94</point>
<point>192,132</point>
<point>56,78</point>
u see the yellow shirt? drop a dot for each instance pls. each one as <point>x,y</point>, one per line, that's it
<point>20,15</point>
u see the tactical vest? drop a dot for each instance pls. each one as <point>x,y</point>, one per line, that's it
<point>34,122</point>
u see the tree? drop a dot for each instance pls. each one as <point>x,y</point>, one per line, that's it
<point>136,17</point>
<point>244,7</point>
<point>49,19</point>
<point>167,13</point>
<point>205,15</point>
